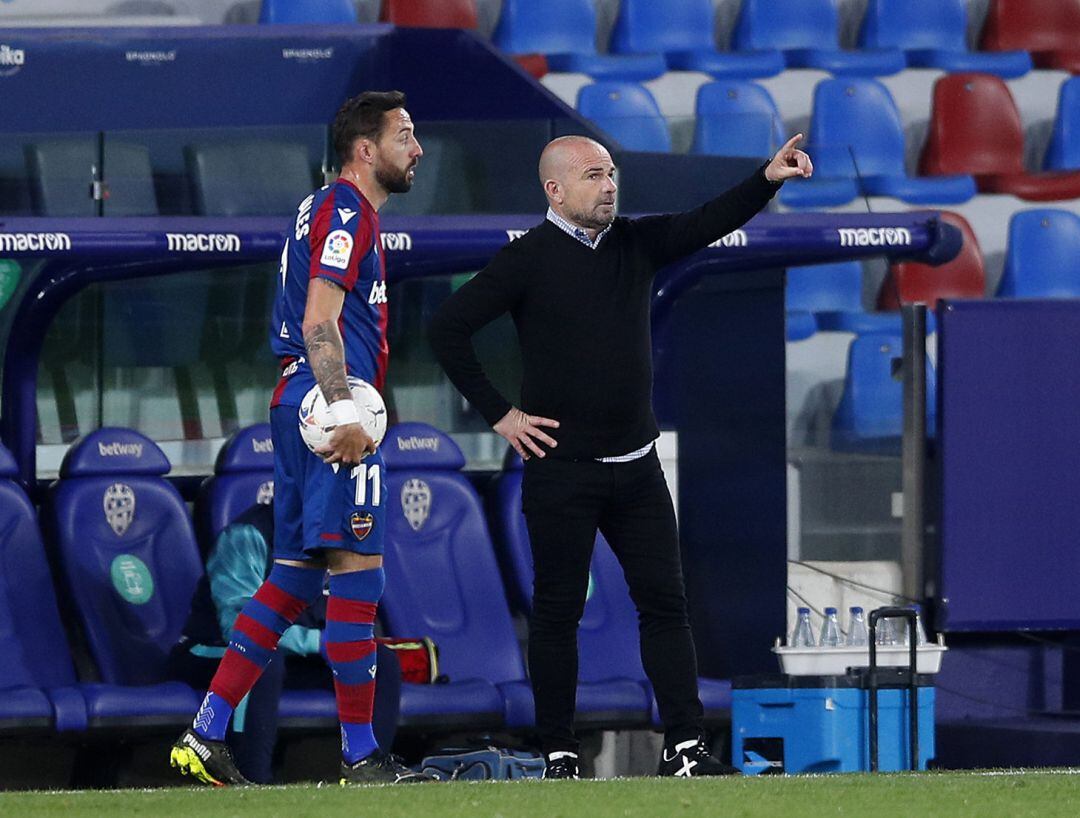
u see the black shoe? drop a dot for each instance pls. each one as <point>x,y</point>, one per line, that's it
<point>562,764</point>
<point>380,768</point>
<point>691,758</point>
<point>210,762</point>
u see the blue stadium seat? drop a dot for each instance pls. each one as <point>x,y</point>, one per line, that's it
<point>130,566</point>
<point>627,113</point>
<point>243,475</point>
<point>1043,256</point>
<point>870,417</point>
<point>1064,150</point>
<point>832,295</point>
<point>736,118</point>
<point>36,673</point>
<point>565,32</point>
<point>933,34</point>
<point>858,119</point>
<point>307,11</point>
<point>807,32</point>
<point>682,30</point>
<point>608,634</point>
<point>442,582</point>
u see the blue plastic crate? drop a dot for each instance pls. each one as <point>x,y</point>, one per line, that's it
<point>820,724</point>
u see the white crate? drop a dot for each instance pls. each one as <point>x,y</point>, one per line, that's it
<point>835,661</point>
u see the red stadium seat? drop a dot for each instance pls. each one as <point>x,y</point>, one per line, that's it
<point>430,13</point>
<point>963,277</point>
<point>1049,29</point>
<point>534,64</point>
<point>975,128</point>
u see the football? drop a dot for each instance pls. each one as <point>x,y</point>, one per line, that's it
<point>316,424</point>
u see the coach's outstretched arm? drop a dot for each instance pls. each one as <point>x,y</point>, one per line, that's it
<point>326,353</point>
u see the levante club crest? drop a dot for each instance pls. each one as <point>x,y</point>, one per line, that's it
<point>361,523</point>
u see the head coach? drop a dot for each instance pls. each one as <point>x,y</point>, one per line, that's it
<point>578,288</point>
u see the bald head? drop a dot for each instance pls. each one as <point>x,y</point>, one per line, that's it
<point>578,179</point>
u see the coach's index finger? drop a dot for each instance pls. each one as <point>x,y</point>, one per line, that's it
<point>791,143</point>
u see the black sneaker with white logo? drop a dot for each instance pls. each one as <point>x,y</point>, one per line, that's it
<point>562,764</point>
<point>207,761</point>
<point>691,758</point>
<point>380,768</point>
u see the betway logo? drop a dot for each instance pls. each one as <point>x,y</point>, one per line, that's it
<point>119,449</point>
<point>203,242</point>
<point>418,444</point>
<point>148,57</point>
<point>22,242</point>
<point>874,236</point>
<point>262,446</point>
<point>736,238</point>
<point>396,241</point>
<point>12,56</point>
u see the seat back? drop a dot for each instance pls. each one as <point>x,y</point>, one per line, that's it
<point>608,634</point>
<point>736,118</point>
<point>430,13</point>
<point>243,476</point>
<point>859,120</point>
<point>786,24</point>
<point>551,27</point>
<point>974,128</point>
<point>1031,25</point>
<point>61,171</point>
<point>248,177</point>
<point>307,11</point>
<point>835,287</point>
<point>127,551</point>
<point>627,112</point>
<point>645,26</point>
<point>871,407</point>
<point>442,579</point>
<point>915,24</point>
<point>908,282</point>
<point>1043,256</point>
<point>32,641</point>
<point>1064,150</point>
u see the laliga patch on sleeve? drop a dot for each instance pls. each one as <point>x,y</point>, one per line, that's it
<point>336,250</point>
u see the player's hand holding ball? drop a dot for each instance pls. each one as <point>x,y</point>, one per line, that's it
<point>789,162</point>
<point>343,433</point>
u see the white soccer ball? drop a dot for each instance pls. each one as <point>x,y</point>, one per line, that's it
<point>316,424</point>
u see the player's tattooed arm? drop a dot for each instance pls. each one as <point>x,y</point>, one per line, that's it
<point>325,349</point>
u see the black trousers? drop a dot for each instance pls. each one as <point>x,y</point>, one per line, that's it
<point>565,502</point>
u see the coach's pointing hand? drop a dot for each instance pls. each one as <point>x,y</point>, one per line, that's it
<point>788,162</point>
<point>519,430</point>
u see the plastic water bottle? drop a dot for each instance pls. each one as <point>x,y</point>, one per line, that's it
<point>802,636</point>
<point>920,631</point>
<point>856,632</point>
<point>830,630</point>
<point>886,632</point>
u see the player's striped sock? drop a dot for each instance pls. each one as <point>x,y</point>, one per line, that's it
<point>350,646</point>
<point>276,605</point>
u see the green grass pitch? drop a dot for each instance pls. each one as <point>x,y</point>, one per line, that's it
<point>1010,794</point>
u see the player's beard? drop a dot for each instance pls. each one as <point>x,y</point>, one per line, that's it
<point>394,180</point>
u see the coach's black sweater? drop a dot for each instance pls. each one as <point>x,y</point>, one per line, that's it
<point>582,318</point>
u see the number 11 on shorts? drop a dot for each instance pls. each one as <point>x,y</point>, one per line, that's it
<point>363,474</point>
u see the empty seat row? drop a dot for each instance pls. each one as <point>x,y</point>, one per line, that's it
<point>126,561</point>
<point>650,37</point>
<point>856,137</point>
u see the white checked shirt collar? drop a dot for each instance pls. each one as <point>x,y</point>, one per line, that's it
<point>573,230</point>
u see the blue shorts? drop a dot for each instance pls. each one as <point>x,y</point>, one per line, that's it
<point>317,508</point>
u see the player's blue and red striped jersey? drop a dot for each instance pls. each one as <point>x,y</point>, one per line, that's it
<point>336,237</point>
